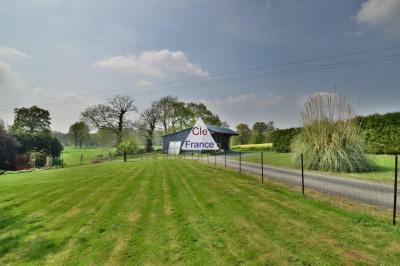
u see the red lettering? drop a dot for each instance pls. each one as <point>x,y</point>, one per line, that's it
<point>199,131</point>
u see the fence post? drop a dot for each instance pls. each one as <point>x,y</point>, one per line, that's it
<point>215,159</point>
<point>240,162</point>
<point>396,169</point>
<point>302,173</point>
<point>225,158</point>
<point>208,160</point>
<point>262,167</point>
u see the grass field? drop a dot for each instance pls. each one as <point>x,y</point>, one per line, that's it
<point>384,164</point>
<point>72,156</point>
<point>179,212</point>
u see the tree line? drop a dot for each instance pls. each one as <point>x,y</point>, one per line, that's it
<point>260,132</point>
<point>108,123</point>
<point>165,115</point>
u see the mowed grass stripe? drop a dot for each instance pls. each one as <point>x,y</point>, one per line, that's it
<point>228,196</point>
<point>208,219</point>
<point>255,244</point>
<point>293,220</point>
<point>179,212</point>
<point>98,236</point>
<point>88,217</point>
<point>306,215</point>
<point>33,214</point>
<point>52,228</point>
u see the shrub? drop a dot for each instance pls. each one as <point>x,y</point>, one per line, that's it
<point>126,148</point>
<point>282,139</point>
<point>330,139</point>
<point>43,142</point>
<point>129,147</point>
<point>380,132</point>
<point>57,161</point>
<point>8,149</point>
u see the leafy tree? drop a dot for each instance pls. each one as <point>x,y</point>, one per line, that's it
<point>197,110</point>
<point>112,115</point>
<point>260,131</point>
<point>127,147</point>
<point>244,133</point>
<point>31,119</point>
<point>180,116</point>
<point>79,132</point>
<point>147,124</point>
<point>8,150</point>
<point>2,126</point>
<point>43,142</point>
<point>167,110</point>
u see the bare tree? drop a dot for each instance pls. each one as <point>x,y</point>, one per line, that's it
<point>112,115</point>
<point>148,122</point>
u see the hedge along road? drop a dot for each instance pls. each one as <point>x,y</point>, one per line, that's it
<point>369,192</point>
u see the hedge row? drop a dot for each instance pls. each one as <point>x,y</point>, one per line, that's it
<point>380,133</point>
<point>282,138</point>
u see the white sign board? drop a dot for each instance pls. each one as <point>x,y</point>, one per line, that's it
<point>199,139</point>
<point>174,147</point>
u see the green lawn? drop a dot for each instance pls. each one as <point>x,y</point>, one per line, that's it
<point>179,212</point>
<point>384,164</point>
<point>72,156</point>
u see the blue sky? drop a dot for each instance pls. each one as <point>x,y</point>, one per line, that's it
<point>61,54</point>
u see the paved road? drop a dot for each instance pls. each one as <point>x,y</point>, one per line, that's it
<point>368,192</point>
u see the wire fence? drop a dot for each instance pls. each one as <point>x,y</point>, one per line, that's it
<point>376,188</point>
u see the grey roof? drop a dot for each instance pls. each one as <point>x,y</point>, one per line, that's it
<point>212,129</point>
<point>223,130</point>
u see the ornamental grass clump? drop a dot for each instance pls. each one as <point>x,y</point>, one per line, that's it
<point>330,139</point>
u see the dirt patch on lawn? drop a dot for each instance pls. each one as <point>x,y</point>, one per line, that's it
<point>353,256</point>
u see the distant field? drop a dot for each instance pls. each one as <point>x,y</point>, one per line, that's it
<point>384,164</point>
<point>252,147</point>
<point>159,212</point>
<point>72,155</point>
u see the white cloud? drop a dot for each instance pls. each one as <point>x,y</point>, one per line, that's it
<point>156,64</point>
<point>250,100</point>
<point>9,52</point>
<point>380,14</point>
